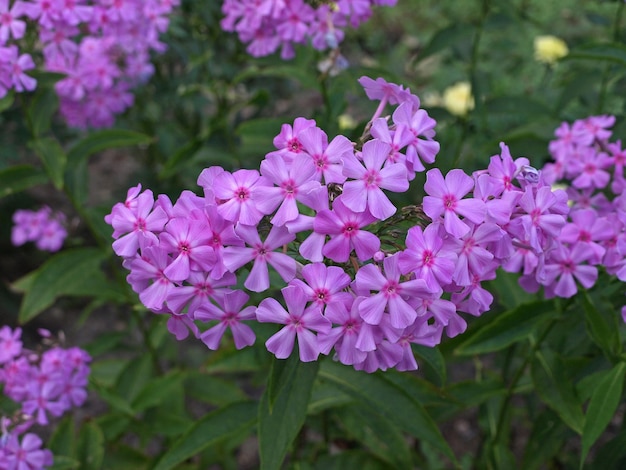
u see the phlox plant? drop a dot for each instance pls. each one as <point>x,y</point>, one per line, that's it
<point>102,49</point>
<point>432,277</point>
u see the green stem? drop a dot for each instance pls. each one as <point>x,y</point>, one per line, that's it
<point>606,74</point>
<point>516,378</point>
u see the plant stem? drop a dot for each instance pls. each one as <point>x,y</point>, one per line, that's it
<point>607,68</point>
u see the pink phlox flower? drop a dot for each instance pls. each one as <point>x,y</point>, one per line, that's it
<point>537,222</point>
<point>323,284</point>
<point>311,248</point>
<point>381,90</point>
<point>421,148</point>
<point>221,233</point>
<point>207,178</point>
<point>263,253</point>
<point>288,141</point>
<point>397,139</point>
<point>504,170</point>
<point>365,192</point>
<point>229,313</point>
<point>292,184</point>
<point>588,229</point>
<point>391,293</point>
<point>237,195</point>
<point>591,169</point>
<point>445,198</point>
<point>42,399</point>
<point>142,221</point>
<point>328,158</point>
<point>42,227</point>
<point>10,344</point>
<point>427,257</point>
<point>72,12</point>
<point>10,24</point>
<point>523,259</point>
<point>473,257</point>
<point>419,333</point>
<point>15,66</point>
<point>444,313</point>
<point>565,265</point>
<point>385,356</point>
<point>202,288</point>
<point>188,240</point>
<point>181,325</point>
<point>563,145</point>
<point>148,279</point>
<point>343,337</point>
<point>618,182</point>
<point>474,299</point>
<point>294,21</point>
<point>344,227</point>
<point>586,131</point>
<point>24,455</point>
<point>299,322</point>
<point>499,205</point>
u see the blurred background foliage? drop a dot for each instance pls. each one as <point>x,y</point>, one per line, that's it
<point>210,103</point>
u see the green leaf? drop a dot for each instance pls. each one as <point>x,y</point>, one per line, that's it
<point>7,101</point>
<point>90,449</point>
<point>53,158</point>
<point>62,462</point>
<point>62,441</point>
<point>602,407</point>
<point>115,401</point>
<point>598,328</point>
<point>447,38</point>
<point>326,396</point>
<point>211,429</point>
<point>279,425</point>
<point>611,52</point>
<point>508,328</point>
<point>41,110</point>
<point>545,441</point>
<point>256,136</point>
<point>433,360</point>
<point>388,399</point>
<point>19,178</point>
<point>556,389</point>
<point>377,433</point>
<point>73,272</point>
<point>282,372</point>
<point>212,389</point>
<point>106,139</point>
<point>351,459</point>
<point>157,390</point>
<point>180,157</point>
<point>124,457</point>
<point>135,376</point>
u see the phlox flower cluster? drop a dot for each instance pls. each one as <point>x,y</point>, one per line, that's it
<point>318,214</point>
<point>268,25</point>
<point>43,227</point>
<point>45,383</point>
<point>102,46</point>
<point>595,235</point>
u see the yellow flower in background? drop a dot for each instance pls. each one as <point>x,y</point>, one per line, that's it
<point>346,122</point>
<point>549,49</point>
<point>458,99</point>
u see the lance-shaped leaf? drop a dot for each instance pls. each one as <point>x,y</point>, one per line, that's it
<point>280,422</point>
<point>508,328</point>
<point>389,400</point>
<point>213,428</point>
<point>602,406</point>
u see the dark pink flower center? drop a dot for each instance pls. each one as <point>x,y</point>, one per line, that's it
<point>449,202</point>
<point>391,289</point>
<point>584,236</point>
<point>427,258</point>
<point>289,188</point>
<point>350,229</point>
<point>242,194</point>
<point>372,178</point>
